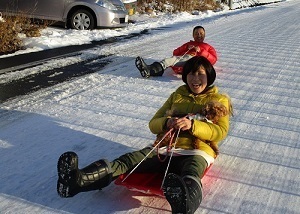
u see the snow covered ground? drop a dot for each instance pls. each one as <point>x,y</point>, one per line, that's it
<point>104,114</point>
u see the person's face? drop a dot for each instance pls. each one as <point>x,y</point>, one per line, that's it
<point>197,81</point>
<point>199,35</point>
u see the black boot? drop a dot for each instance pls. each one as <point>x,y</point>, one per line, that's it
<point>183,194</point>
<point>71,180</point>
<point>155,69</point>
<point>194,188</point>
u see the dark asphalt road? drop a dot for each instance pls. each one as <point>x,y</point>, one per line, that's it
<point>44,79</point>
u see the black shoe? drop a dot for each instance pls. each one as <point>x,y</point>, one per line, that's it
<point>175,192</point>
<point>67,168</point>
<point>142,67</point>
<point>72,181</point>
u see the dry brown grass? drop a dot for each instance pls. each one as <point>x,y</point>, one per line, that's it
<point>10,30</point>
<point>207,5</point>
<point>148,6</point>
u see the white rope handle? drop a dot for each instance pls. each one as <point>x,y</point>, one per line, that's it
<point>177,60</point>
<point>163,181</point>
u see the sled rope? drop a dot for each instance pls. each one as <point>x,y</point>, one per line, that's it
<point>169,132</point>
<point>163,181</point>
<point>177,60</point>
<point>169,147</point>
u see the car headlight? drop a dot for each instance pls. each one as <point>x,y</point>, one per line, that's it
<point>106,4</point>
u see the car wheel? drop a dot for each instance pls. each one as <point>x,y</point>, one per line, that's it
<point>82,20</point>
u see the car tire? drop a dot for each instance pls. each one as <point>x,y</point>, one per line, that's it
<point>82,20</point>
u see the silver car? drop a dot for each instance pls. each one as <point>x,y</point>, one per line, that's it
<point>76,14</point>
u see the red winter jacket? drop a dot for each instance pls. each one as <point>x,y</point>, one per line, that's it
<point>206,50</point>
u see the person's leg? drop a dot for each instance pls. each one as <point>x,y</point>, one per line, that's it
<point>170,61</point>
<point>167,62</point>
<point>71,180</point>
<point>192,171</point>
<point>182,60</point>
<point>183,189</point>
<point>193,165</point>
<point>128,161</point>
<point>99,174</point>
<point>154,69</point>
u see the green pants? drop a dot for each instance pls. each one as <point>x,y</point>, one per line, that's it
<point>193,165</point>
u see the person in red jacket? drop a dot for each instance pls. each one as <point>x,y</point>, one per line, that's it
<point>196,47</point>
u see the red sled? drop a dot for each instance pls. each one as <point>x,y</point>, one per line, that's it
<point>177,69</point>
<point>147,183</point>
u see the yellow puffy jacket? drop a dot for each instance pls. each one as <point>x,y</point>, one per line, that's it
<point>183,102</point>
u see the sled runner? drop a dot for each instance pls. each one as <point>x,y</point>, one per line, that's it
<point>147,183</point>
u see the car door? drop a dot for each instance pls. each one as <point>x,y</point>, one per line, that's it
<point>8,6</point>
<point>43,9</point>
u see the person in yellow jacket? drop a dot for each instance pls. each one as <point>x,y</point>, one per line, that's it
<point>182,186</point>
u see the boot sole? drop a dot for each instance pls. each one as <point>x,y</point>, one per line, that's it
<point>175,192</point>
<point>65,165</point>
<point>140,64</point>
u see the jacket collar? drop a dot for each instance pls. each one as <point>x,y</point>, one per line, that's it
<point>185,90</point>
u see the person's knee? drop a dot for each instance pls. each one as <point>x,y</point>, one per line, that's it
<point>194,166</point>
